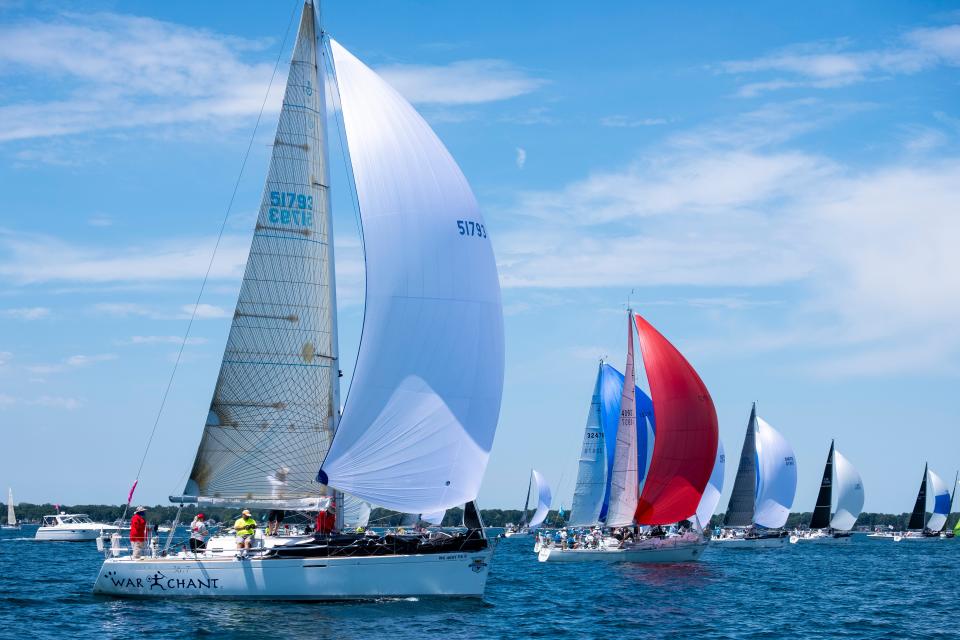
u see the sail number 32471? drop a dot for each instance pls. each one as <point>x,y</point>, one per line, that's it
<point>471,228</point>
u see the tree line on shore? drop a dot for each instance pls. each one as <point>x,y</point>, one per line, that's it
<point>27,512</point>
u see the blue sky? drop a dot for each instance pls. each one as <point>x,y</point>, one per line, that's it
<point>778,185</point>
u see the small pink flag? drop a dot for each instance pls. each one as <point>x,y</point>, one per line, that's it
<point>132,489</point>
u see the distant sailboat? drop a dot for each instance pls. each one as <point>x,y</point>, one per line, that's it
<point>11,514</point>
<point>917,530</point>
<point>538,487</point>
<point>418,424</point>
<point>827,526</point>
<point>711,495</point>
<point>683,456</point>
<point>763,490</point>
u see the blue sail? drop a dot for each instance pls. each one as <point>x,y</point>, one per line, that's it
<point>611,386</point>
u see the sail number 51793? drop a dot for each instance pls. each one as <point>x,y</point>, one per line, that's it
<point>471,228</point>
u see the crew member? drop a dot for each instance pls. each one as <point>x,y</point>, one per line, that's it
<point>138,532</point>
<point>198,534</point>
<point>327,519</point>
<point>246,527</point>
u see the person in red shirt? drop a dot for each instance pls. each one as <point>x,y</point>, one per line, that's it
<point>138,531</point>
<point>327,519</point>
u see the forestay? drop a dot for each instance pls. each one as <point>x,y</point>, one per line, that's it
<point>711,494</point>
<point>420,417</point>
<point>777,473</point>
<point>624,479</point>
<point>273,411</point>
<point>850,494</point>
<point>544,498</point>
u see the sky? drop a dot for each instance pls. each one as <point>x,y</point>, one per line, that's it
<point>775,187</point>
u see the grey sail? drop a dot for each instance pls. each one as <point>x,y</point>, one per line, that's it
<point>743,497</point>
<point>274,408</point>
<point>821,511</point>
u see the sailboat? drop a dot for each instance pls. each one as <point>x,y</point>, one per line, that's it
<point>838,473</point>
<point>711,494</point>
<point>917,531</point>
<point>763,490</point>
<point>541,490</point>
<point>416,428</point>
<point>680,464</point>
<point>11,514</point>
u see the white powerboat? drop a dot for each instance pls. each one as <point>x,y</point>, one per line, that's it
<point>72,527</point>
<point>415,431</point>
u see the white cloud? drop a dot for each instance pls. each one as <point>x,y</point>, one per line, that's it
<point>122,309</point>
<point>204,311</point>
<point>100,220</point>
<point>828,65</point>
<point>627,121</point>
<point>34,258</point>
<point>26,313</point>
<point>70,363</point>
<point>521,157</point>
<point>461,82</point>
<point>5,357</point>
<point>110,71</point>
<point>163,340</point>
<point>7,401</point>
<point>58,402</point>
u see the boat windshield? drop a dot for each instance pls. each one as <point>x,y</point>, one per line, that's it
<point>77,519</point>
<point>49,521</point>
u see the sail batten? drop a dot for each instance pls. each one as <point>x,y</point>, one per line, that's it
<point>274,407</point>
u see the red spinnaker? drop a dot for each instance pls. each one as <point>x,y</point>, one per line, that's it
<point>685,446</point>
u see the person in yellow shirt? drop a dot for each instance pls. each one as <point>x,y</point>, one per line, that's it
<point>245,526</point>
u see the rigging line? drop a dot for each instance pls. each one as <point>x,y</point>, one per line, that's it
<point>223,225</point>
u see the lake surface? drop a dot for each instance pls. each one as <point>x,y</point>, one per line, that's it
<point>868,589</point>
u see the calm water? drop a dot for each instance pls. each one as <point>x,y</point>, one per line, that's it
<point>868,589</point>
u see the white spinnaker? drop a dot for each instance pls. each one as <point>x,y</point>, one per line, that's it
<point>11,516</point>
<point>848,488</point>
<point>273,411</point>
<point>624,479</point>
<point>777,470</point>
<point>592,473</point>
<point>420,418</point>
<point>356,512</point>
<point>941,502</point>
<point>711,493</point>
<point>544,498</point>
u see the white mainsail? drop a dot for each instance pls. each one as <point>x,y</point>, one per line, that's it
<point>941,502</point>
<point>624,479</point>
<point>422,410</point>
<point>273,412</point>
<point>711,494</point>
<point>544,498</point>
<point>848,488</point>
<point>592,472</point>
<point>11,515</point>
<point>777,477</point>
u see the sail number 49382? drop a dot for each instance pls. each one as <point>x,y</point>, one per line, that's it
<point>471,228</point>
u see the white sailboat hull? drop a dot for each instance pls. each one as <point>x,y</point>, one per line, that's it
<point>458,574</point>
<point>516,534</point>
<point>648,551</point>
<point>821,539</point>
<point>899,537</point>
<point>750,543</point>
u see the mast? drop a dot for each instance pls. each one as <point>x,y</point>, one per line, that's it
<point>821,512</point>
<point>740,508</point>
<point>624,477</point>
<point>920,506</point>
